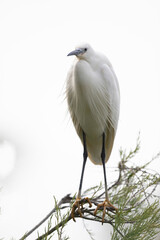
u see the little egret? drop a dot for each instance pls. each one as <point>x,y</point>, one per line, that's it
<point>93,99</point>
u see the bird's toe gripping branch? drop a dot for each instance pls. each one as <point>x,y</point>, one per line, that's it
<point>105,205</point>
<point>78,204</point>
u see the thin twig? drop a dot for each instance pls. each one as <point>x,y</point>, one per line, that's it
<point>67,219</point>
<point>66,199</point>
<point>116,229</point>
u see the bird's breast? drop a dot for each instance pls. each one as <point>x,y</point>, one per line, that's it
<point>84,74</point>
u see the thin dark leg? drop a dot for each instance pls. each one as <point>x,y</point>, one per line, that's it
<point>85,155</point>
<point>103,155</point>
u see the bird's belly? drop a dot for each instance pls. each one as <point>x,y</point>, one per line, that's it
<point>93,132</point>
<point>89,123</point>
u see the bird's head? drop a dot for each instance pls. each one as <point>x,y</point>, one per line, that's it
<point>82,51</point>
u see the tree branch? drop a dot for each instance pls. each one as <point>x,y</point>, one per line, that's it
<point>131,192</point>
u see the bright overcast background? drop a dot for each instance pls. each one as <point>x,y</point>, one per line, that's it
<point>40,153</point>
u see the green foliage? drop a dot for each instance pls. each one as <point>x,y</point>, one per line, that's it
<point>47,229</point>
<point>133,193</point>
<point>138,208</point>
<point>60,219</point>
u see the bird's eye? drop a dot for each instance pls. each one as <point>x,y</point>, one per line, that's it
<point>85,49</point>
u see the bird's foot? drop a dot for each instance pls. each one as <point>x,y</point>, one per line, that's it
<point>105,205</point>
<point>78,204</point>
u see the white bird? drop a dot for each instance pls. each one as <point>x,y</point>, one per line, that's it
<point>94,100</point>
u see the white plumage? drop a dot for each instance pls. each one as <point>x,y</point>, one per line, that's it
<point>93,99</point>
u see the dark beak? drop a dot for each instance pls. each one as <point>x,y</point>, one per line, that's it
<point>76,52</point>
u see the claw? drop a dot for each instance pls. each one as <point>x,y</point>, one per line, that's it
<point>76,205</point>
<point>84,200</point>
<point>79,204</point>
<point>105,204</point>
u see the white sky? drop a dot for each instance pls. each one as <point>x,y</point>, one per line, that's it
<point>40,153</point>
